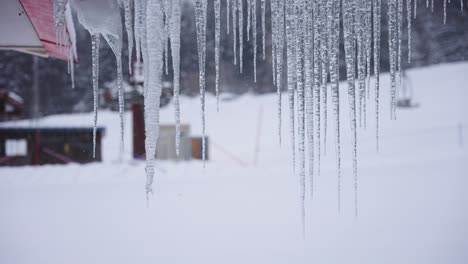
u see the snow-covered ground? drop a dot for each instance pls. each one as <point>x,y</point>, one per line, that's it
<point>412,194</point>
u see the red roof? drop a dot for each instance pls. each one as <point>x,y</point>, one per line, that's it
<point>41,14</point>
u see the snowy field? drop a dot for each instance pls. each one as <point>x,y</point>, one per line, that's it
<point>412,193</point>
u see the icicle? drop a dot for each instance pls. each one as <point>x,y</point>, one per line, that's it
<point>408,19</point>
<point>129,28</point>
<point>139,22</point>
<point>324,34</point>
<point>399,44</point>
<point>445,11</point>
<point>432,5</point>
<point>200,16</point>
<point>392,33</point>
<point>217,10</point>
<point>249,17</point>
<point>254,35</point>
<point>241,34</point>
<point>334,79</point>
<point>461,5</point>
<point>273,40</point>
<point>274,62</point>
<point>228,7</point>
<point>291,70</point>
<point>361,66</point>
<point>167,30</point>
<point>234,29</point>
<point>59,21</point>
<point>279,45</point>
<point>103,17</point>
<point>368,48</point>
<point>95,40</point>
<point>309,99</point>
<point>349,43</point>
<point>72,65</point>
<point>377,29</point>
<point>317,79</point>
<point>300,5</point>
<point>175,49</point>
<point>415,8</point>
<point>153,55</point>
<point>263,7</point>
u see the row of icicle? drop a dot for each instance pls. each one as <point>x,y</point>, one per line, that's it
<point>305,44</point>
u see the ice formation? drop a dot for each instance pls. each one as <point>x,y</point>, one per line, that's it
<point>305,41</point>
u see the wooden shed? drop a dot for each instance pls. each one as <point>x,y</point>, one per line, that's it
<point>38,146</point>
<point>190,147</point>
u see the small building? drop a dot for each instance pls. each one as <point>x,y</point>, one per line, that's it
<point>190,147</point>
<point>21,146</point>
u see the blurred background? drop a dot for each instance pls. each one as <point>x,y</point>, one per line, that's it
<point>433,43</point>
<point>243,204</point>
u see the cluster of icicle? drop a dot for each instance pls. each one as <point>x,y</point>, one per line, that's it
<point>62,21</point>
<point>305,48</point>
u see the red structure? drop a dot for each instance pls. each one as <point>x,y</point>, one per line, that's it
<point>28,26</point>
<point>41,14</point>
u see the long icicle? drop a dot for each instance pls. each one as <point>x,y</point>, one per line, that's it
<point>399,45</point>
<point>408,19</point>
<point>445,11</point>
<point>175,49</point>
<point>392,38</point>
<point>228,15</point>
<point>95,41</point>
<point>317,79</point>
<point>309,99</point>
<point>234,29</point>
<point>334,79</point>
<point>377,8</point>
<point>279,57</point>
<point>263,7</point>
<point>324,34</point>
<point>300,5</point>
<point>167,18</point>
<point>349,39</point>
<point>415,8</point>
<point>200,16</point>
<point>138,27</point>
<point>129,27</point>
<point>240,6</point>
<point>217,10</point>
<point>153,49</point>
<point>249,18</point>
<point>291,71</point>
<point>254,36</point>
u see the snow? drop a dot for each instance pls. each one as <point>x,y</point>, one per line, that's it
<point>412,194</point>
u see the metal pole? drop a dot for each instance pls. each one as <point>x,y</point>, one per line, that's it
<point>35,87</point>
